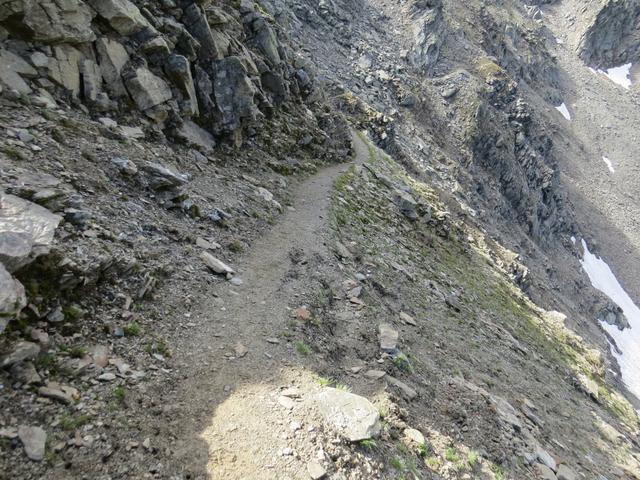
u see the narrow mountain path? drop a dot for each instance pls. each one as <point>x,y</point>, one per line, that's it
<point>225,423</point>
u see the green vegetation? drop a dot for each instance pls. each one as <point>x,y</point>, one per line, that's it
<point>451,455</point>
<point>402,362</point>
<point>236,246</point>
<point>132,329</point>
<point>397,463</point>
<point>497,471</point>
<point>159,346</point>
<point>69,423</point>
<point>342,387</point>
<point>302,348</point>
<point>423,450</point>
<point>472,458</point>
<point>322,381</point>
<point>368,444</point>
<point>120,394</point>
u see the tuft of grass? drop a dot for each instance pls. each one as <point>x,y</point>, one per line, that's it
<point>119,394</point>
<point>402,362</point>
<point>236,246</point>
<point>132,329</point>
<point>342,387</point>
<point>77,351</point>
<point>423,450</point>
<point>498,473</point>
<point>302,348</point>
<point>368,444</point>
<point>472,458</point>
<point>69,423</point>
<point>323,381</point>
<point>433,462</point>
<point>451,455</point>
<point>45,361</point>
<point>159,347</point>
<point>398,464</point>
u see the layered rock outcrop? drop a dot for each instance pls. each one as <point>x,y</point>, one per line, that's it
<point>218,66</point>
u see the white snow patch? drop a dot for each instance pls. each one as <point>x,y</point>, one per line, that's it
<point>573,239</point>
<point>620,75</point>
<point>609,164</point>
<point>564,111</point>
<point>628,340</point>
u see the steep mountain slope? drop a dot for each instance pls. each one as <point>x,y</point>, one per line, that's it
<point>302,239</point>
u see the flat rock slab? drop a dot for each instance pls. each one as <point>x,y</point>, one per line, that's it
<point>26,231</point>
<point>21,352</point>
<point>388,338</point>
<point>33,439</point>
<point>214,264</point>
<point>408,392</point>
<point>353,416</point>
<point>565,473</point>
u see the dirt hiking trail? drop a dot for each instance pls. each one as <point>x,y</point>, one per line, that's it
<point>226,423</point>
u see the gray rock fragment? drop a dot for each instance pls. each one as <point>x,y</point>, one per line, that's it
<point>33,439</point>
<point>21,352</point>
<point>353,416</point>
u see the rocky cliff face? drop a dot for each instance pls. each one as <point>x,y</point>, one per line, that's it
<point>194,70</point>
<point>612,36</point>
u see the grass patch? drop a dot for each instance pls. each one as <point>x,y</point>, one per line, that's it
<point>368,444</point>
<point>451,455</point>
<point>472,458</point>
<point>132,329</point>
<point>302,348</point>
<point>342,387</point>
<point>69,423</point>
<point>402,362</point>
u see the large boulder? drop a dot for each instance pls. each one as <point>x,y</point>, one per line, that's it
<point>234,93</point>
<point>13,69</point>
<point>123,16</point>
<point>26,231</point>
<point>212,47</point>
<point>146,89</point>
<point>353,416</point>
<point>49,21</point>
<point>112,57</point>
<point>179,71</point>
<point>64,68</point>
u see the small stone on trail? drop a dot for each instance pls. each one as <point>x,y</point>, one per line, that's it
<point>315,470</point>
<point>291,392</point>
<point>107,377</point>
<point>286,402</point>
<point>206,244</point>
<point>565,473</point>
<point>408,319</point>
<point>236,281</point>
<point>33,439</point>
<point>240,350</point>
<point>214,264</point>
<point>302,313</point>
<point>414,435</point>
<point>375,374</point>
<point>272,340</point>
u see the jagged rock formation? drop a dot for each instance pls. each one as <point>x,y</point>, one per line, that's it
<point>183,65</point>
<point>612,36</point>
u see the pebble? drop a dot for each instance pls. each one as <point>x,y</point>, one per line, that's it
<point>315,470</point>
<point>107,377</point>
